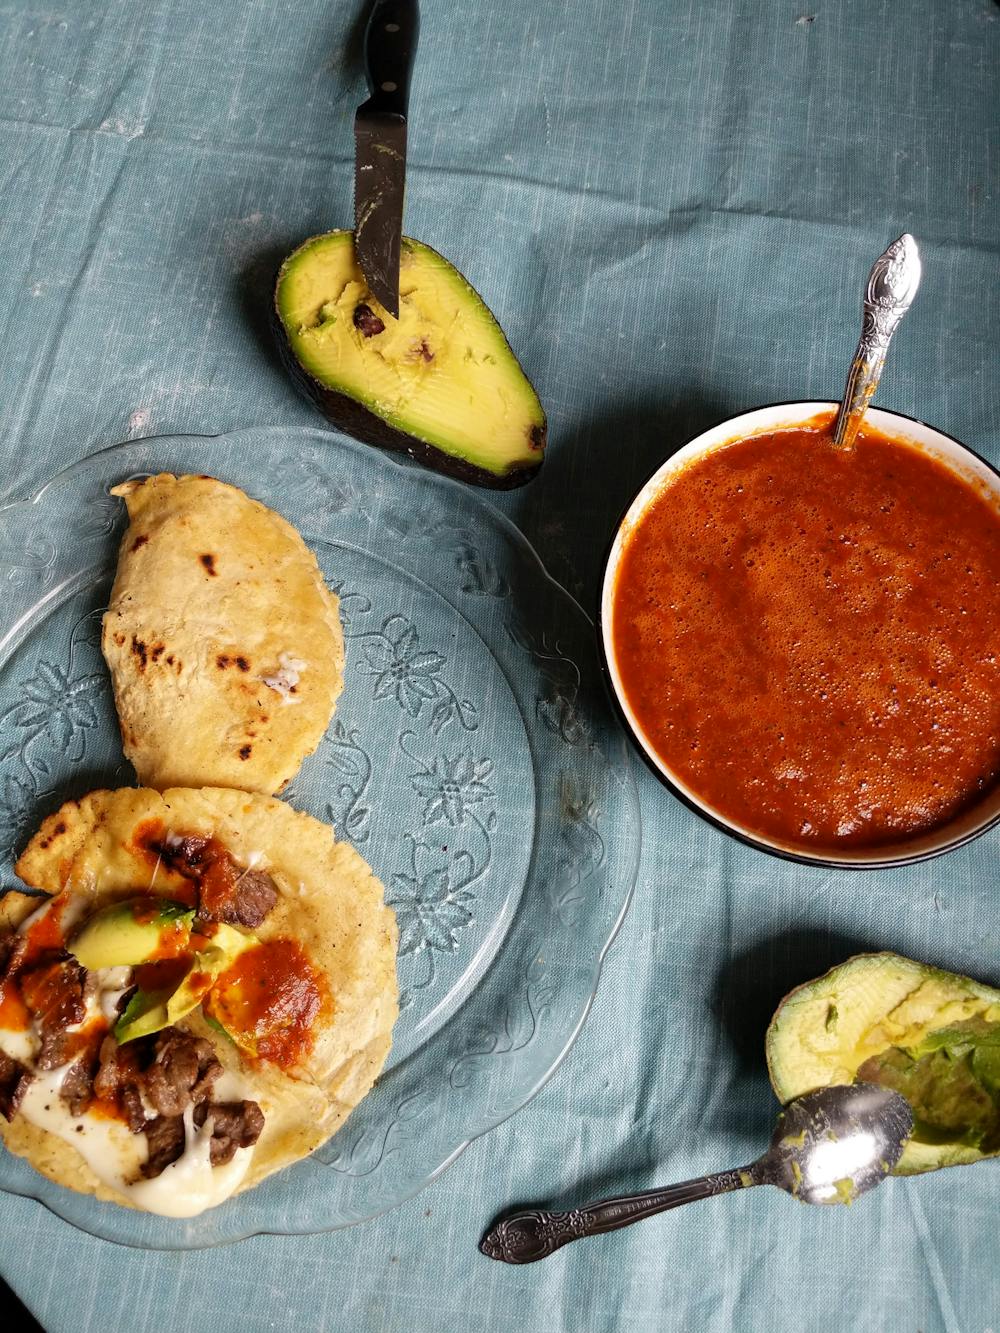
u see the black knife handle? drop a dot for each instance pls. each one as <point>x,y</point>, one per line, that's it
<point>390,47</point>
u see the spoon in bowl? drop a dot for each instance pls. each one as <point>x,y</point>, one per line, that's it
<point>892,285</point>
<point>829,1146</point>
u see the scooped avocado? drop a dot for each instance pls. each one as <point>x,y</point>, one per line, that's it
<point>150,1010</point>
<point>440,383</point>
<point>131,932</point>
<point>932,1035</point>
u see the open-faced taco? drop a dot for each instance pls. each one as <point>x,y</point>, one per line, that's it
<point>206,994</point>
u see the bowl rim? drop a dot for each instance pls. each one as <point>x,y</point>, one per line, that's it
<point>834,861</point>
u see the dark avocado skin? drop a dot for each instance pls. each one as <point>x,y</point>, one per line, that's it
<point>349,416</point>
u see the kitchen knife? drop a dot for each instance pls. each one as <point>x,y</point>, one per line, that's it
<point>380,146</point>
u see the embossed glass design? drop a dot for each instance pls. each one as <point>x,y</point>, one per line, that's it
<point>473,760</point>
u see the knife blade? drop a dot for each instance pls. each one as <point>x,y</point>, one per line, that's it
<point>380,146</point>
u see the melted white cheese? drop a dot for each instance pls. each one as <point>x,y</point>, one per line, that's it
<point>286,678</point>
<point>191,1184</point>
<point>20,1043</point>
<point>71,910</point>
<point>39,914</point>
<point>112,984</point>
<point>68,909</point>
<point>185,1188</point>
<point>111,1152</point>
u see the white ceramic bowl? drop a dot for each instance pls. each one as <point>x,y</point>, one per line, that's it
<point>960,459</point>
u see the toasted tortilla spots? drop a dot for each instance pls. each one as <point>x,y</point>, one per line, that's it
<point>223,641</point>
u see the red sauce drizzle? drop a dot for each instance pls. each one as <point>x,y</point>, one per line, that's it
<point>269,1000</point>
<point>44,936</point>
<point>200,869</point>
<point>47,932</point>
<point>173,942</point>
<point>219,874</point>
<point>14,1015</point>
<point>89,1038</point>
<point>145,910</point>
<point>149,840</point>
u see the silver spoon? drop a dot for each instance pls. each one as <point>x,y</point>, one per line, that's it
<point>892,285</point>
<point>829,1146</point>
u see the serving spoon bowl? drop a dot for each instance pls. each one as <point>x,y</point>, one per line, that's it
<point>892,285</point>
<point>829,1146</point>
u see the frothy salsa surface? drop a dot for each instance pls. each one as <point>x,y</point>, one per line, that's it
<point>810,638</point>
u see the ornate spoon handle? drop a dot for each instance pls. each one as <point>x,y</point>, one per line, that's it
<point>535,1234</point>
<point>892,285</point>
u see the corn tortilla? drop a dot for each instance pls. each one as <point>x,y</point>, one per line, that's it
<point>329,902</point>
<point>223,641</point>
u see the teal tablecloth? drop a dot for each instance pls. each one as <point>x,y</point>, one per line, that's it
<point>671,207</point>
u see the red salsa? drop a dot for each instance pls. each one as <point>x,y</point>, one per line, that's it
<point>44,940</point>
<point>810,637</point>
<point>268,1001</point>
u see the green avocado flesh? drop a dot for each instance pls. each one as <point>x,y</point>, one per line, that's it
<point>952,1081</point>
<point>440,383</point>
<point>132,932</point>
<point>150,1010</point>
<point>932,1035</point>
<point>145,1013</point>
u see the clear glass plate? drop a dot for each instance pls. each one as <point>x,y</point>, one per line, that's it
<point>473,760</point>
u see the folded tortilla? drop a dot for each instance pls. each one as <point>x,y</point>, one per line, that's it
<point>223,641</point>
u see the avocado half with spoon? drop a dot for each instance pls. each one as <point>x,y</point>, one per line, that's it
<point>440,383</point>
<point>933,1036</point>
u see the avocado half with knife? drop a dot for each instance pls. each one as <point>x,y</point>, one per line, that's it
<point>439,383</point>
<point>384,334</point>
<point>933,1036</point>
